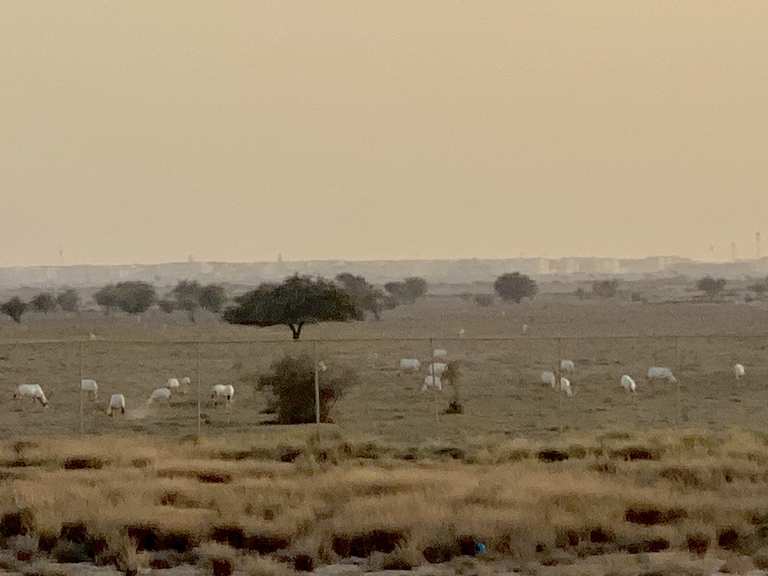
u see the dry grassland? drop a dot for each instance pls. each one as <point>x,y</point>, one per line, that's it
<point>294,502</point>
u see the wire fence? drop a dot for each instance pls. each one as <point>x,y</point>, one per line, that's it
<point>500,389</point>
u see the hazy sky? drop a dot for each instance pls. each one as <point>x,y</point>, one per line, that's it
<point>147,131</point>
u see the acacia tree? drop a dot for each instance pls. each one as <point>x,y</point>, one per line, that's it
<point>297,301</point>
<point>44,302</point>
<point>69,300</point>
<point>135,297</point>
<point>212,298</point>
<point>106,297</point>
<point>366,296</point>
<point>711,286</point>
<point>14,308</point>
<point>186,296</point>
<point>514,287</point>
<point>407,291</point>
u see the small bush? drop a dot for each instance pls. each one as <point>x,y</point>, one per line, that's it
<point>17,523</point>
<point>648,515</point>
<point>292,382</point>
<point>698,543</point>
<point>84,463</point>
<point>552,455</point>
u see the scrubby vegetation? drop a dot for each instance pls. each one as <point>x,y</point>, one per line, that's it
<point>291,502</point>
<point>291,383</point>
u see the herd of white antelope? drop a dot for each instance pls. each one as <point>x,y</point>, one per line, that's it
<point>89,388</point>
<point>433,380</point>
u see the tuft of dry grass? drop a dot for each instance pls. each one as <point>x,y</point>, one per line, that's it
<point>699,495</point>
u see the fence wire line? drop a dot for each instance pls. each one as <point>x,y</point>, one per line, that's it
<point>553,338</point>
<point>195,352</point>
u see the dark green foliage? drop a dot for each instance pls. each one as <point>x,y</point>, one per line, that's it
<point>69,300</point>
<point>190,296</point>
<point>212,298</point>
<point>367,297</point>
<point>135,297</point>
<point>711,286</point>
<point>130,297</point>
<point>186,296</point>
<point>292,384</point>
<point>106,297</point>
<point>299,300</point>
<point>514,287</point>
<point>407,291</point>
<point>14,308</point>
<point>44,302</point>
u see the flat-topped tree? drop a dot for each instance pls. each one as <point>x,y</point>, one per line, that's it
<point>513,287</point>
<point>44,302</point>
<point>297,301</point>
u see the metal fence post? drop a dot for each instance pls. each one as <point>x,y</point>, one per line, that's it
<point>81,349</point>
<point>317,387</point>
<point>558,384</point>
<point>677,381</point>
<point>197,349</point>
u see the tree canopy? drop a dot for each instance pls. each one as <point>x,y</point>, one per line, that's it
<point>366,296</point>
<point>130,297</point>
<point>711,286</point>
<point>69,300</point>
<point>513,287</point>
<point>407,291</point>
<point>186,296</point>
<point>297,301</point>
<point>212,298</point>
<point>44,302</point>
<point>14,308</point>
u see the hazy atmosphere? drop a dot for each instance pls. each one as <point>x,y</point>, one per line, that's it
<point>151,131</point>
<point>383,288</point>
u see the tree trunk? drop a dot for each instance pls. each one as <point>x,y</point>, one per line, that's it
<point>296,330</point>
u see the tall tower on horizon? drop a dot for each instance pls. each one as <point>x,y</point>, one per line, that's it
<point>734,255</point>
<point>758,251</point>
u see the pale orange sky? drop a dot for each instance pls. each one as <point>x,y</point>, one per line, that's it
<point>146,131</point>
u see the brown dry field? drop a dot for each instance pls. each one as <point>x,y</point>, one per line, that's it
<point>634,504</point>
<point>601,483</point>
<point>500,388</point>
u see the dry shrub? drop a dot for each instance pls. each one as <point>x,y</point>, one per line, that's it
<point>632,453</point>
<point>84,463</point>
<point>292,383</point>
<point>17,523</point>
<point>552,455</point>
<point>650,515</point>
